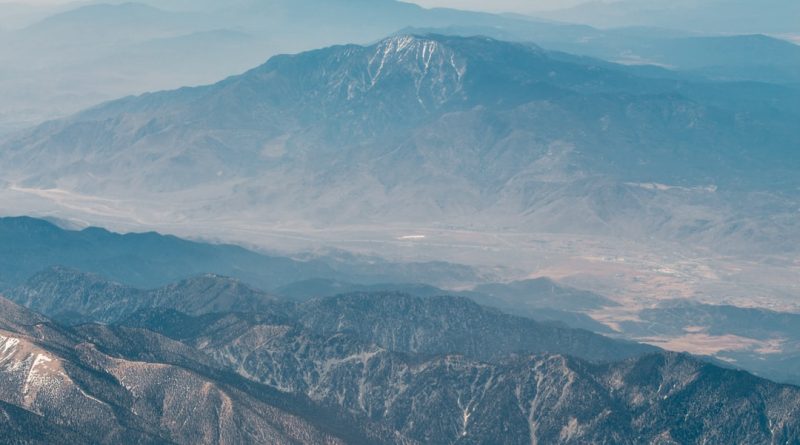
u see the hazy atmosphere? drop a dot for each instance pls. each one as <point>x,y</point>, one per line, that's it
<point>375,221</point>
<point>517,6</point>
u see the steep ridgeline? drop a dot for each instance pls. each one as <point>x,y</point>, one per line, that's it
<point>753,57</point>
<point>248,377</point>
<point>433,129</point>
<point>422,320</point>
<point>396,321</point>
<point>446,399</point>
<point>771,340</point>
<point>19,426</point>
<point>149,260</point>
<point>74,297</point>
<point>110,385</point>
<point>540,299</point>
<point>452,325</point>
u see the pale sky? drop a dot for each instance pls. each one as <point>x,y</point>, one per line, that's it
<point>521,6</point>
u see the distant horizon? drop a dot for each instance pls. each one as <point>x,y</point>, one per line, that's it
<point>501,6</point>
<point>509,6</point>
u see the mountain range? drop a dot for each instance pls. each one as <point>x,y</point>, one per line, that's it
<point>369,222</point>
<point>104,50</point>
<point>657,52</point>
<point>80,385</point>
<point>325,361</point>
<point>308,376</point>
<point>440,323</point>
<point>723,16</point>
<point>124,281</point>
<point>150,260</point>
<point>433,129</point>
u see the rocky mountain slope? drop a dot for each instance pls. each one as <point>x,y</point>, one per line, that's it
<point>522,399</point>
<point>104,385</point>
<point>452,325</point>
<point>540,299</point>
<point>396,321</point>
<point>423,319</point>
<point>329,371</point>
<point>73,297</point>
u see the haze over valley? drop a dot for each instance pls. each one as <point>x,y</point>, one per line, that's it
<point>373,221</point>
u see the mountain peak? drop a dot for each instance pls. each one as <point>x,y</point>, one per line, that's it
<point>435,69</point>
<point>399,77</point>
